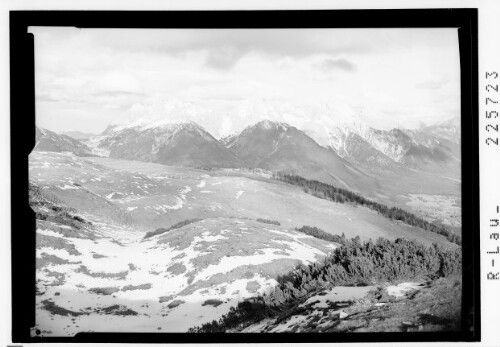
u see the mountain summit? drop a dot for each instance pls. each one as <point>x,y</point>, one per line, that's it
<point>434,148</point>
<point>49,141</point>
<point>257,142</point>
<point>179,143</point>
<point>353,156</point>
<point>279,146</point>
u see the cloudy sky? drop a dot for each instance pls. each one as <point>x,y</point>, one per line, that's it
<point>87,79</point>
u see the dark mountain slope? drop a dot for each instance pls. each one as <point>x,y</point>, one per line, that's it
<point>180,144</point>
<point>49,141</point>
<point>280,147</point>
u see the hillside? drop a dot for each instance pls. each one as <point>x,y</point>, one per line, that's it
<point>150,196</point>
<point>413,169</point>
<point>78,135</point>
<point>46,140</point>
<point>424,162</point>
<point>179,144</point>
<point>281,147</point>
<point>430,306</point>
<point>430,149</point>
<point>358,287</point>
<point>220,236</point>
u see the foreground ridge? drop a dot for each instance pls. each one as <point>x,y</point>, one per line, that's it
<point>355,264</point>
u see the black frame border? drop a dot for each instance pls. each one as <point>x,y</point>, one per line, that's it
<point>22,120</point>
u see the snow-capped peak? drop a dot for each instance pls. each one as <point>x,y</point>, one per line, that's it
<point>268,125</point>
<point>147,123</point>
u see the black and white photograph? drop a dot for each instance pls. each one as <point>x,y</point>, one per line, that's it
<point>247,180</point>
<point>280,180</point>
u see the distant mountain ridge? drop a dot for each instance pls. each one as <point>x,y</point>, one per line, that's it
<point>277,146</point>
<point>49,141</point>
<point>352,155</point>
<point>77,135</point>
<point>180,143</point>
<point>432,148</point>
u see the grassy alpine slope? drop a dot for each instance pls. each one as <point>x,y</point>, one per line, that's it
<point>149,247</point>
<point>332,193</point>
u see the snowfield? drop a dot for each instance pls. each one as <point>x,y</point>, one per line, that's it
<point>319,313</point>
<point>161,282</point>
<point>401,289</point>
<point>337,294</point>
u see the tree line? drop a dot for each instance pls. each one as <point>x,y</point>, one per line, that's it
<point>320,234</point>
<point>175,226</point>
<point>352,264</point>
<point>329,192</point>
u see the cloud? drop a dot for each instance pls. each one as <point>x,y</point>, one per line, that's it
<point>223,58</point>
<point>87,94</point>
<point>336,64</point>
<point>45,97</point>
<point>117,81</point>
<point>432,84</point>
<point>281,42</point>
<point>223,48</point>
<point>277,42</point>
<point>116,93</point>
<point>106,74</point>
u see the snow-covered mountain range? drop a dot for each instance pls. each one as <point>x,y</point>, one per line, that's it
<point>355,141</point>
<point>350,154</point>
<point>348,139</point>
